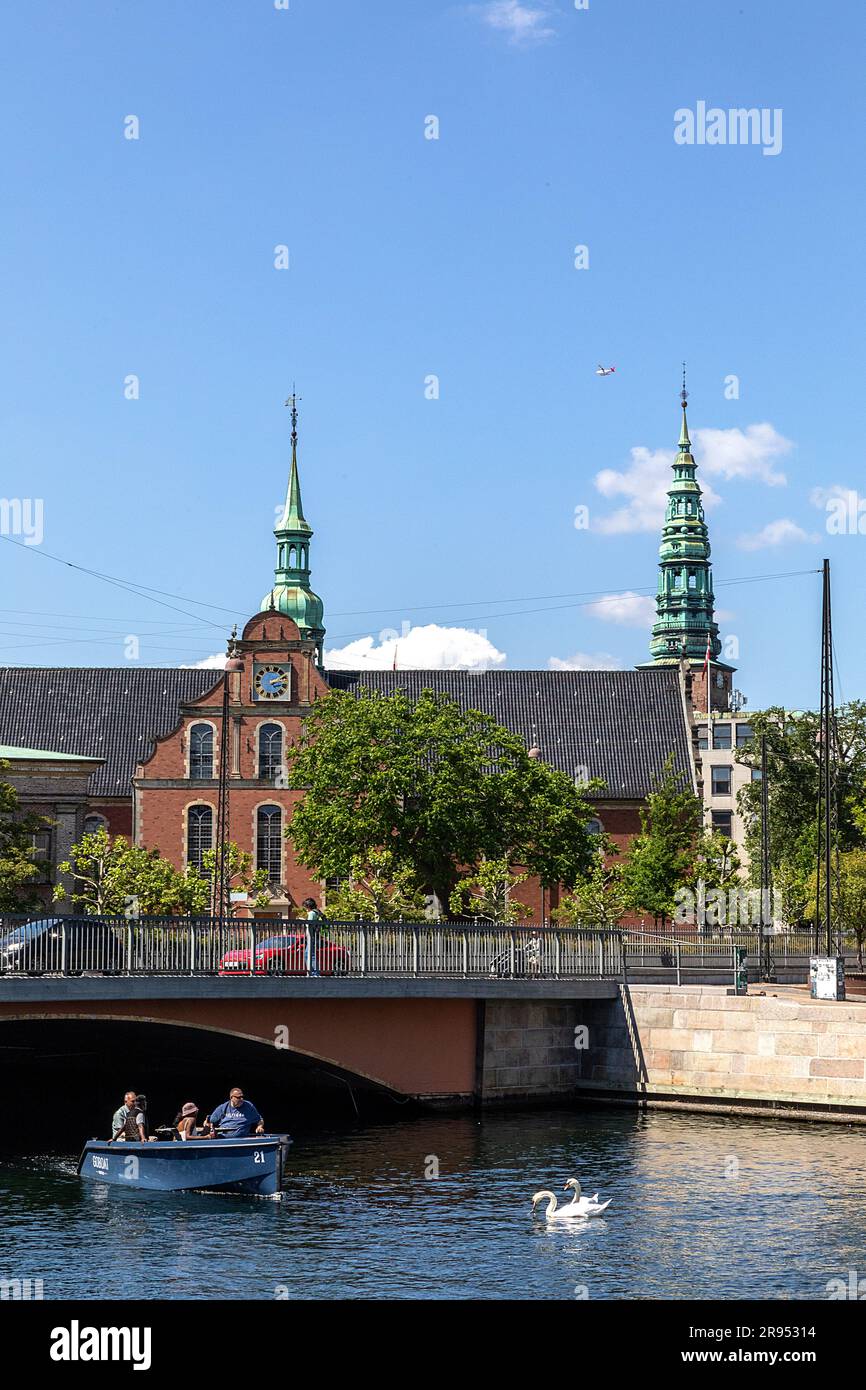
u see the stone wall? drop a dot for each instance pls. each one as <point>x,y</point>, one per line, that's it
<point>704,1044</point>
<point>526,1049</point>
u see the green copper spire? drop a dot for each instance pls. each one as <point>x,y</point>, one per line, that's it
<point>684,602</point>
<point>291,593</point>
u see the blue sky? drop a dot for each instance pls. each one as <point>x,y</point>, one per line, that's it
<point>411,258</point>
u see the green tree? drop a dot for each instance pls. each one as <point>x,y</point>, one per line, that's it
<point>847,897</point>
<point>793,744</point>
<point>662,856</point>
<point>440,787</point>
<point>600,900</point>
<point>486,894</point>
<point>379,890</point>
<point>111,877</point>
<point>20,871</point>
<point>197,896</point>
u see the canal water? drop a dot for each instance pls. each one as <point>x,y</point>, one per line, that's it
<point>701,1207</point>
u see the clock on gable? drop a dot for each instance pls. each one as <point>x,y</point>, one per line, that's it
<point>272,682</point>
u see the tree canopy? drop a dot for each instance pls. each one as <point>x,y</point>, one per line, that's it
<point>440,787</point>
<point>20,869</point>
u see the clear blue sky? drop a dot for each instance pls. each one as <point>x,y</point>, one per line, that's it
<point>412,257</point>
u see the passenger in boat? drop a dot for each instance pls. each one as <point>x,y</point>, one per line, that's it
<point>186,1123</point>
<point>236,1118</point>
<point>128,1121</point>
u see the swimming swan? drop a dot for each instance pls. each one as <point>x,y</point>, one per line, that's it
<point>586,1206</point>
<point>579,1209</point>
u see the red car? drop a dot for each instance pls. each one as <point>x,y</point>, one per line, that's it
<point>287,955</point>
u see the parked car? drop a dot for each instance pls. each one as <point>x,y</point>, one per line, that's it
<point>74,945</point>
<point>286,955</point>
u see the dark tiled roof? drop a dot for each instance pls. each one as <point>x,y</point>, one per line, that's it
<point>102,712</point>
<point>620,725</point>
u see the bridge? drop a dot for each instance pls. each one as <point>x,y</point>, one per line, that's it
<point>362,1016</point>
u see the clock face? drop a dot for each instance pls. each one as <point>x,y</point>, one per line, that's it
<point>272,683</point>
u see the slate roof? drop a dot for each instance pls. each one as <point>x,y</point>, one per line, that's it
<point>620,725</point>
<point>110,712</point>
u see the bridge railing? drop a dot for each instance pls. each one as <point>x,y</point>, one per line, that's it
<point>233,947</point>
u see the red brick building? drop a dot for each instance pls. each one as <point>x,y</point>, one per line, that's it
<point>160,735</point>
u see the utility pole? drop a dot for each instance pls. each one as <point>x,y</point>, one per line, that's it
<point>766,970</point>
<point>827,796</point>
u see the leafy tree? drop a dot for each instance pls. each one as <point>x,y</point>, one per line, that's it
<point>847,897</point>
<point>111,876</point>
<point>793,744</point>
<point>198,885</point>
<point>20,870</point>
<point>662,856</point>
<point>440,787</point>
<point>598,901</point>
<point>486,894</point>
<point>379,890</point>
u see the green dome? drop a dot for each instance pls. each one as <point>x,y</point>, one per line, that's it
<point>301,605</point>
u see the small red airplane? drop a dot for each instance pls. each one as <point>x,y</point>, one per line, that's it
<point>604,371</point>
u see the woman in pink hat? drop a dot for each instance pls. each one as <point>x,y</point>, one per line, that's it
<point>185,1123</point>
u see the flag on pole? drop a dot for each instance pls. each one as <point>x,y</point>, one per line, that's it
<point>708,655</point>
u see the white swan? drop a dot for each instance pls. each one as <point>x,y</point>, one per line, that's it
<point>585,1206</point>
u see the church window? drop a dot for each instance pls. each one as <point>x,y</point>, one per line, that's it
<point>93,824</point>
<point>269,840</point>
<point>594,826</point>
<point>199,838</point>
<point>270,750</point>
<point>201,751</point>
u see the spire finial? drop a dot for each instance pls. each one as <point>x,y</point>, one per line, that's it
<point>684,395</point>
<point>292,400</point>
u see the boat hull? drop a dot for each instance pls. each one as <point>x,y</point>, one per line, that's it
<point>253,1165</point>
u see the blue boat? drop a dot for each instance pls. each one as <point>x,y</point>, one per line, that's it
<point>254,1166</point>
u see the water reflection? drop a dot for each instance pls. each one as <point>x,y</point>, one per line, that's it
<point>702,1207</point>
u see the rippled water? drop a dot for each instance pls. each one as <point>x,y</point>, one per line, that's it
<point>702,1207</point>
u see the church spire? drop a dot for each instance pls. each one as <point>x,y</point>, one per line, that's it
<point>685,619</point>
<point>292,593</point>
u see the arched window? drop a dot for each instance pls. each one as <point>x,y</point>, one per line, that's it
<point>199,836</point>
<point>93,824</point>
<point>201,751</point>
<point>269,841</point>
<point>270,750</point>
<point>595,826</point>
<point>292,555</point>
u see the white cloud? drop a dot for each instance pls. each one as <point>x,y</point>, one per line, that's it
<point>779,532</point>
<point>216,662</point>
<point>585,661</point>
<point>522,22</point>
<point>628,609</point>
<point>748,454</point>
<point>428,648</point>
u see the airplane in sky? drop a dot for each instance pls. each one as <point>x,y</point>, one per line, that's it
<point>604,371</point>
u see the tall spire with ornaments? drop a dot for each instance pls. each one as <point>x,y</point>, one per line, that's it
<point>292,593</point>
<point>685,625</point>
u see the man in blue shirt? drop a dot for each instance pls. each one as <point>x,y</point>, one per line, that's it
<point>236,1118</point>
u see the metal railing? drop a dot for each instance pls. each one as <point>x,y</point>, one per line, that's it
<point>681,957</point>
<point>179,946</point>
